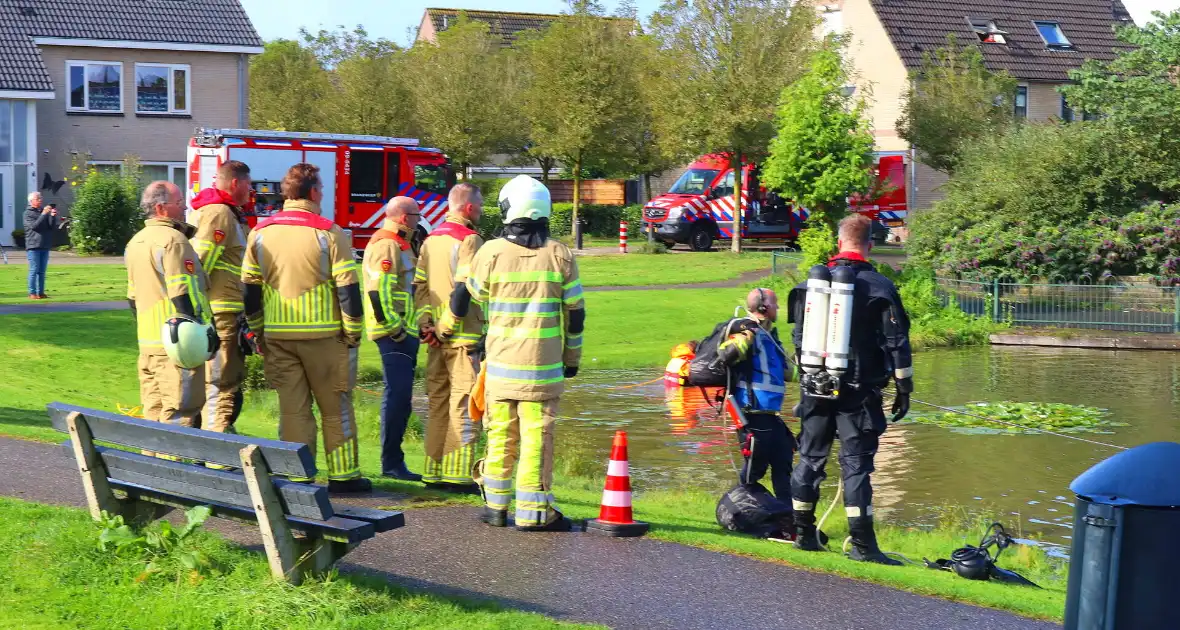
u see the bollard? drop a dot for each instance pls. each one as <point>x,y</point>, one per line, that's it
<point>1124,551</point>
<point>622,237</point>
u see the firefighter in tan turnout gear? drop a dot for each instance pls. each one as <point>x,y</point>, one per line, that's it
<point>444,265</point>
<point>221,244</point>
<point>304,301</point>
<point>166,286</point>
<point>532,297</point>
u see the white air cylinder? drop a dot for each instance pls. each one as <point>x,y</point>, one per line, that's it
<point>839,330</point>
<point>815,319</point>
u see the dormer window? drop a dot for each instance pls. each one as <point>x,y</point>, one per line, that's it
<point>1053,35</point>
<point>987,31</point>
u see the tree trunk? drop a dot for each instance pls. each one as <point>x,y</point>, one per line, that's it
<point>647,187</point>
<point>735,162</point>
<point>546,164</point>
<point>574,228</point>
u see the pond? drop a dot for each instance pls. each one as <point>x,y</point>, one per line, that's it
<point>677,440</point>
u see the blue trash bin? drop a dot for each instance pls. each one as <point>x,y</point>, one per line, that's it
<point>1126,542</point>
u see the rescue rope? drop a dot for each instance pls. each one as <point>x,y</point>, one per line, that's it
<point>134,412</point>
<point>1011,424</point>
<point>652,381</point>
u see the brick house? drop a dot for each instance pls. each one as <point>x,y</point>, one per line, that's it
<point>1037,43</point>
<point>103,79</point>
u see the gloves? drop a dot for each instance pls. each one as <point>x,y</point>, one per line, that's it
<point>570,371</point>
<point>901,401</point>
<point>352,341</point>
<point>426,334</point>
<point>400,336</point>
<point>446,325</point>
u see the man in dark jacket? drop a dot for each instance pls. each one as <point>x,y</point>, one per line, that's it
<point>40,225</point>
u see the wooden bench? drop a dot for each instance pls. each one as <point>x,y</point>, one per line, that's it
<point>142,488</point>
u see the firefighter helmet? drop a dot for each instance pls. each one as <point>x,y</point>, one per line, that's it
<point>189,343</point>
<point>524,198</point>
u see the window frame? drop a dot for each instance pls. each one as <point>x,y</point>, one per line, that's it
<point>1066,45</point>
<point>985,28</point>
<point>85,109</point>
<point>379,156</point>
<point>1016,107</point>
<point>188,88</point>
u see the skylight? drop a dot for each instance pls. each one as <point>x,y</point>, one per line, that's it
<point>1053,35</point>
<point>987,31</point>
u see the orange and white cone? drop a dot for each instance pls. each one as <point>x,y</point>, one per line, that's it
<point>614,517</point>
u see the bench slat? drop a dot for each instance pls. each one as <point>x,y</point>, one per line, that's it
<point>283,458</point>
<point>335,529</point>
<point>383,521</point>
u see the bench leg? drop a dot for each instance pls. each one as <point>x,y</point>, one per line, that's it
<point>317,556</point>
<point>94,473</point>
<point>281,550</point>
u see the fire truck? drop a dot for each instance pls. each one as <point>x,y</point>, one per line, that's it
<point>360,174</point>
<point>698,209</point>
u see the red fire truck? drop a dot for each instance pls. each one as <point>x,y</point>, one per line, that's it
<point>360,173</point>
<point>698,209</point>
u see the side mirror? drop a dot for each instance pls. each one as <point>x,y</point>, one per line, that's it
<point>712,194</point>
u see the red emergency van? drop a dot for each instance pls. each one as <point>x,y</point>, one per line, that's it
<point>360,173</point>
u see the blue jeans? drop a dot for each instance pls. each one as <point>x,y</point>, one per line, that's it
<point>38,261</point>
<point>397,363</point>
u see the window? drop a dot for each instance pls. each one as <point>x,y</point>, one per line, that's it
<point>392,182</point>
<point>987,31</point>
<point>365,176</point>
<point>1021,101</point>
<point>95,86</point>
<point>725,187</point>
<point>431,177</point>
<point>1053,35</point>
<point>161,89</point>
<point>169,172</point>
<point>693,182</point>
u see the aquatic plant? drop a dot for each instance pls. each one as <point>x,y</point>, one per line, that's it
<point>1023,417</point>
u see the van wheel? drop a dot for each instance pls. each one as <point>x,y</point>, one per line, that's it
<point>701,239</point>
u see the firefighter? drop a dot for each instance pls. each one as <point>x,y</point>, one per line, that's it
<point>758,374</point>
<point>391,319</point>
<point>165,279</point>
<point>533,298</point>
<point>879,349</point>
<point>304,302</point>
<point>221,244</point>
<point>454,342</point>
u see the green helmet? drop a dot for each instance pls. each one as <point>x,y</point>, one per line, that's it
<point>524,198</point>
<point>189,343</point>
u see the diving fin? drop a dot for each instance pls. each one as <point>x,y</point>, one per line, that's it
<point>1011,577</point>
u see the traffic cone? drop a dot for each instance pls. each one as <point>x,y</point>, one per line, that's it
<point>614,517</point>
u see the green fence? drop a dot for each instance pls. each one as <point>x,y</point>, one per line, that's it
<point>1124,307</point>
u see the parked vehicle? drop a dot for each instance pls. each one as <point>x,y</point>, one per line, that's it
<point>360,173</point>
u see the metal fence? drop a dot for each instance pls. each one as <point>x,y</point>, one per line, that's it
<point>1124,307</point>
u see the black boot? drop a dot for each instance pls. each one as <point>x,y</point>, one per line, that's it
<point>864,542</point>
<point>356,485</point>
<point>493,517</point>
<point>806,536</point>
<point>401,473</point>
<point>559,524</point>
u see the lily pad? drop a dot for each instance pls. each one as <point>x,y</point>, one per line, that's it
<point>1023,417</point>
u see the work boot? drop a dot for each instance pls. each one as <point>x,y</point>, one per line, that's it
<point>455,488</point>
<point>559,524</point>
<point>356,485</point>
<point>864,542</point>
<point>401,473</point>
<point>806,535</point>
<point>494,517</point>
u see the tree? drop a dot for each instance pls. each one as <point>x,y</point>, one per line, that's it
<point>725,62</point>
<point>580,90</point>
<point>823,151</point>
<point>334,47</point>
<point>287,88</point>
<point>954,101</point>
<point>1137,92</point>
<point>459,87</point>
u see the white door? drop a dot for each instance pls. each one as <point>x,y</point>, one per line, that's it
<point>9,220</point>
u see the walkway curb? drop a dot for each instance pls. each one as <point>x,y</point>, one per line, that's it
<point>1130,342</point>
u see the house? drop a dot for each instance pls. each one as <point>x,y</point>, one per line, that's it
<point>103,79</point>
<point>1037,43</point>
<point>505,24</point>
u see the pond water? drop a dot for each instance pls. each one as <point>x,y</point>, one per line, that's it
<point>677,440</point>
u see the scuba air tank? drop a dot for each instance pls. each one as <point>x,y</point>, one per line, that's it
<point>815,320</point>
<point>839,321</point>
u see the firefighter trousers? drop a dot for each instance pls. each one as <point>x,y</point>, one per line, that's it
<point>858,419</point>
<point>450,432</point>
<point>521,429</point>
<point>323,369</point>
<point>397,369</point>
<point>225,371</point>
<point>770,446</point>
<point>168,393</point>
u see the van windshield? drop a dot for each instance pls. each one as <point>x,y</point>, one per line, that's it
<point>694,181</point>
<point>432,178</point>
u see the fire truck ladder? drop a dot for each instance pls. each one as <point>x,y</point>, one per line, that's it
<point>210,137</point>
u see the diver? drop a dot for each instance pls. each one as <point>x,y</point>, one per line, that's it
<point>846,355</point>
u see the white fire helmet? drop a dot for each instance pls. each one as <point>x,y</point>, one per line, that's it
<point>524,198</point>
<point>189,343</point>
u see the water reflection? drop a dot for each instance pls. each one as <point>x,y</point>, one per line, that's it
<point>677,439</point>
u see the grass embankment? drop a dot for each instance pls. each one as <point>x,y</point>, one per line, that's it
<point>65,283</point>
<point>88,359</point>
<point>75,585</point>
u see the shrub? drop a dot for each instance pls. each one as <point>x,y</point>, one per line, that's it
<point>490,188</point>
<point>105,214</point>
<point>818,242</point>
<point>255,379</point>
<point>489,222</point>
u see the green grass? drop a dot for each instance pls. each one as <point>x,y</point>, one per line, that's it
<point>77,586</point>
<point>65,283</point>
<point>634,270</point>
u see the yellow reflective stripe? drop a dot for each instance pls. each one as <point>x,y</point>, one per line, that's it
<point>344,266</point>
<point>226,305</point>
<point>353,326</point>
<point>573,342</point>
<point>526,276</point>
<point>224,266</point>
<point>515,332</point>
<point>420,273</point>
<point>253,268</point>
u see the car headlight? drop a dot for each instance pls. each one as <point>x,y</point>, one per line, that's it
<point>675,213</point>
